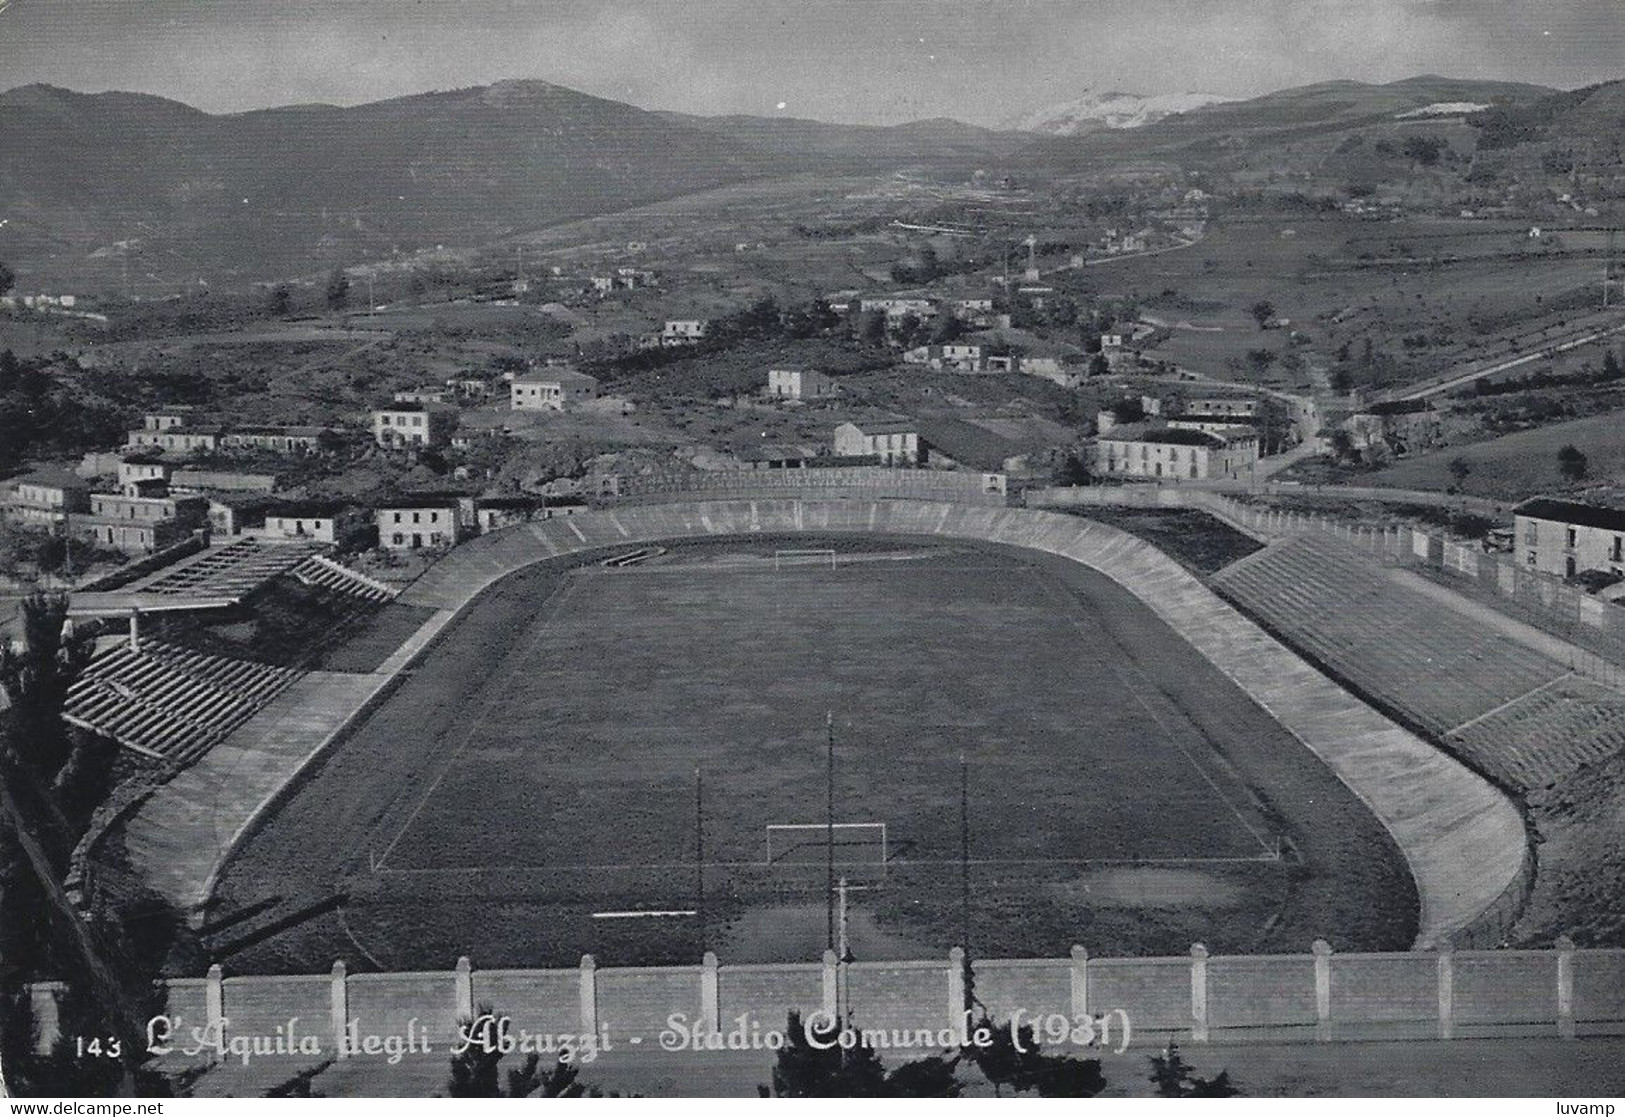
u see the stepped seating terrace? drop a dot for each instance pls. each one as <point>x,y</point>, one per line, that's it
<point>1512,713</point>
<point>324,573</point>
<point>170,702</point>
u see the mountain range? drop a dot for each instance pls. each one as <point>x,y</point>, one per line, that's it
<point>89,179</point>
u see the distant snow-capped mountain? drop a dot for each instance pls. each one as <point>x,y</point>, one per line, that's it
<point>1109,110</point>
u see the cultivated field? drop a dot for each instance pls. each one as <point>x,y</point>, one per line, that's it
<point>539,767</point>
<point>1516,466</point>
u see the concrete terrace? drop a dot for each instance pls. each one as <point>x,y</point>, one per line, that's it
<point>1463,840</point>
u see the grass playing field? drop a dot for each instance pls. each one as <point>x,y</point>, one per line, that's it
<point>628,682</point>
<point>539,767</point>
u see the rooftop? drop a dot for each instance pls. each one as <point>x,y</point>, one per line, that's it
<point>1570,512</point>
<point>424,500</point>
<point>1162,436</point>
<point>555,376</point>
<point>503,502</point>
<point>309,509</point>
<point>55,478</point>
<point>889,426</point>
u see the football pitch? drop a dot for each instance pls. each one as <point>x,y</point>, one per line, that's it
<point>641,702</point>
<point>591,758</point>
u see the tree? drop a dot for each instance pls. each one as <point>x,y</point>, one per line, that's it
<point>1275,425</point>
<point>872,327</point>
<point>811,1064</point>
<point>1424,150</point>
<point>7,278</point>
<point>1342,444</point>
<point>1459,468</point>
<point>280,301</point>
<point>1013,1059</point>
<point>338,290</point>
<point>1070,469</point>
<point>1263,312</point>
<point>1572,463</point>
<point>1175,1078</point>
<point>1610,366</point>
<point>475,1069</point>
<point>1261,359</point>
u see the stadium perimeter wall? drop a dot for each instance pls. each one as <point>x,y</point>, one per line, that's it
<point>1319,995</point>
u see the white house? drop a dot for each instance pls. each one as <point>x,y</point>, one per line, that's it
<point>421,522</point>
<point>315,521</point>
<point>894,443</point>
<point>684,331</point>
<point>552,389</point>
<point>410,425</point>
<point>803,384</point>
<point>1135,450</point>
<point>1566,538</point>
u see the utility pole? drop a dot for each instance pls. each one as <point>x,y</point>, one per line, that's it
<point>829,836</point>
<point>699,855</point>
<point>964,854</point>
<point>843,950</point>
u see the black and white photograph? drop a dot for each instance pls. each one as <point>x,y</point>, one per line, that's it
<point>751,549</point>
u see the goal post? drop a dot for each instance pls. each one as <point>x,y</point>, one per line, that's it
<point>807,556</point>
<point>855,843</point>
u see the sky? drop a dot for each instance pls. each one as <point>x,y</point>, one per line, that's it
<point>862,61</point>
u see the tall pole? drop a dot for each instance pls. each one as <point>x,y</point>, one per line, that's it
<point>829,836</point>
<point>844,951</point>
<point>964,855</point>
<point>699,854</point>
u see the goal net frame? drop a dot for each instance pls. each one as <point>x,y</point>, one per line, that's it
<point>807,556</point>
<point>815,836</point>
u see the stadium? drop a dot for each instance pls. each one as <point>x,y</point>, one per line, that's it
<point>627,734</point>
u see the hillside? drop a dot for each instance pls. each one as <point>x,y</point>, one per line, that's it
<point>1245,132</point>
<point>189,195</point>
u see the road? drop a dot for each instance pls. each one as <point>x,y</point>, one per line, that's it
<point>1545,352</point>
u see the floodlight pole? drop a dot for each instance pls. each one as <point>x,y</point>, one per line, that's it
<point>699,855</point>
<point>829,837</point>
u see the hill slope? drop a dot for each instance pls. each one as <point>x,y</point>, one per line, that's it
<point>295,189</point>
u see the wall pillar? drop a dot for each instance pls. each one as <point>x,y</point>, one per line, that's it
<point>832,987</point>
<point>1565,987</point>
<point>339,1010</point>
<point>710,994</point>
<point>1198,993</point>
<point>463,979</point>
<point>956,990</point>
<point>1323,988</point>
<point>589,995</point>
<point>1447,990</point>
<point>1080,983</point>
<point>44,999</point>
<point>214,998</point>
